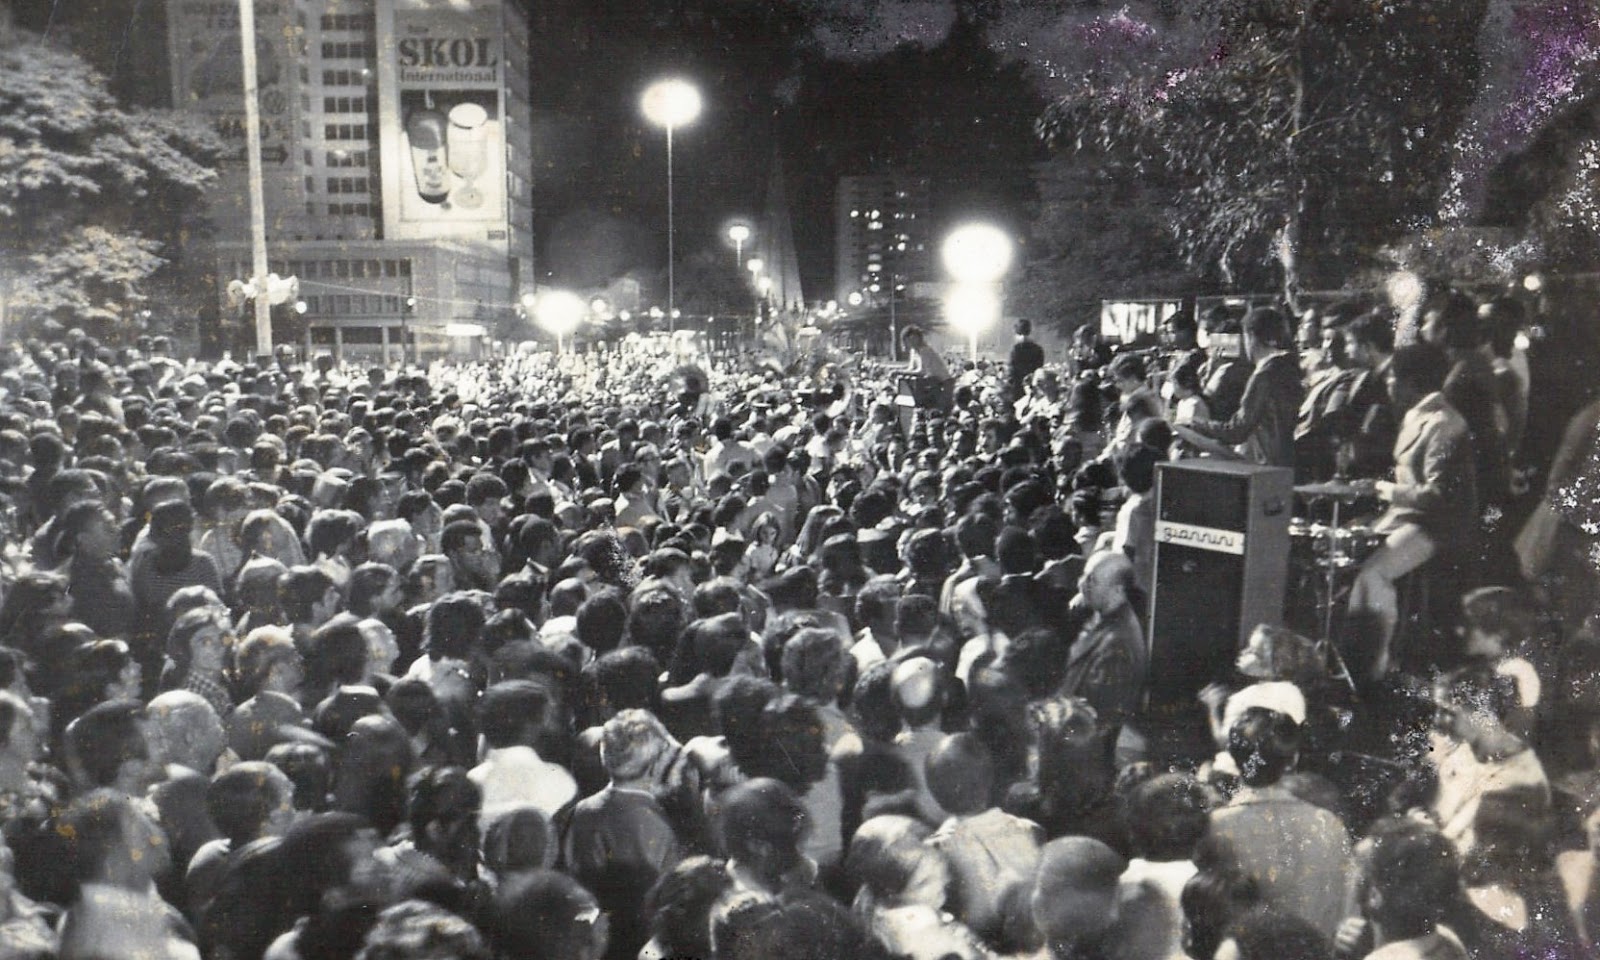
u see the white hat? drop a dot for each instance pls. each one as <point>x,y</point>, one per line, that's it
<point>1278,695</point>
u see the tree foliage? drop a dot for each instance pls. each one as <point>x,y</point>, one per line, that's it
<point>1544,183</point>
<point>1100,233</point>
<point>89,193</point>
<point>1306,134</point>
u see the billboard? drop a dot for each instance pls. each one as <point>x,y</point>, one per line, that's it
<point>1128,321</point>
<point>208,77</point>
<point>441,120</point>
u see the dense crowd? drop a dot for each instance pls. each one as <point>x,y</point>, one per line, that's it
<point>631,653</point>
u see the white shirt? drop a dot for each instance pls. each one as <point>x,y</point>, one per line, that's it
<point>512,777</point>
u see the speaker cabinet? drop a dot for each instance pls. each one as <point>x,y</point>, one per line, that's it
<point>1221,568</point>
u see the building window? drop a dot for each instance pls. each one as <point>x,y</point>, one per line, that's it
<point>346,21</point>
<point>345,51</point>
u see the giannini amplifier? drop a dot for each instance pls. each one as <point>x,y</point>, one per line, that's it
<point>1221,568</point>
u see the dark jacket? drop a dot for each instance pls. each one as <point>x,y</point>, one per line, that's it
<point>1263,426</point>
<point>1473,390</point>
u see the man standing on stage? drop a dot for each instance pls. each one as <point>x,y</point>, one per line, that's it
<point>1262,429</point>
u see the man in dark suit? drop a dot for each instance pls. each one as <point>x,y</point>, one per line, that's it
<point>1026,357</point>
<point>1432,499</point>
<point>1262,429</point>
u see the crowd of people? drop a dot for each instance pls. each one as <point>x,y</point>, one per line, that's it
<point>628,654</point>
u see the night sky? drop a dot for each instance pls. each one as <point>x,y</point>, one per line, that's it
<point>599,168</point>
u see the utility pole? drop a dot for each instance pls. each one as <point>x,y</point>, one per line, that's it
<point>258,206</point>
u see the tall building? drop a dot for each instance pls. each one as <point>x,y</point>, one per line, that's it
<point>395,147</point>
<point>882,235</point>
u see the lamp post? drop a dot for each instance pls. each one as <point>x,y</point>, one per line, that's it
<point>558,312</point>
<point>977,256</point>
<point>738,233</point>
<point>670,103</point>
<point>252,151</point>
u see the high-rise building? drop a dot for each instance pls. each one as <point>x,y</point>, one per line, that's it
<point>883,236</point>
<point>395,147</point>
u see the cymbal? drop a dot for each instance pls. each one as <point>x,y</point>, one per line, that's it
<point>1333,489</point>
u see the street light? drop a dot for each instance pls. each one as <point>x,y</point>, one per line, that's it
<point>972,308</point>
<point>977,256</point>
<point>738,233</point>
<point>977,253</point>
<point>670,103</point>
<point>558,312</point>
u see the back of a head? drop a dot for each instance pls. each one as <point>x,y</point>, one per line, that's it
<point>918,690</point>
<point>106,737</point>
<point>517,840</point>
<point>1016,551</point>
<point>602,621</point>
<point>630,744</point>
<point>93,826</point>
<point>760,811</point>
<point>1210,900</point>
<point>1137,469</point>
<point>535,915</point>
<point>679,906</point>
<point>241,800</point>
<point>1267,326</point>
<point>1167,815</point>
<point>813,664</point>
<point>1481,691</point>
<point>419,930</point>
<point>439,793</point>
<point>719,641</point>
<point>1078,864</point>
<point>1263,933</point>
<point>960,774</point>
<point>1264,744</point>
<point>510,711</point>
<point>187,728</point>
<point>883,855</point>
<point>1422,366</point>
<point>1457,315</point>
<point>1413,875</point>
<point>455,623</point>
<point>1075,887</point>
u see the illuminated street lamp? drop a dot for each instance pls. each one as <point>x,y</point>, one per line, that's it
<point>977,256</point>
<point>558,312</point>
<point>977,253</point>
<point>738,233</point>
<point>974,309</point>
<point>670,103</point>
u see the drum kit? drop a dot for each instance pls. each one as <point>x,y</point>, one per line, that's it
<point>1335,550</point>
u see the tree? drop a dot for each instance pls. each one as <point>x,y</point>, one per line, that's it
<point>1100,233</point>
<point>1311,132</point>
<point>90,194</point>
<point>1544,185</point>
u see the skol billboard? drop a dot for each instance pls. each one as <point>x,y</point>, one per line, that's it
<point>440,114</point>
